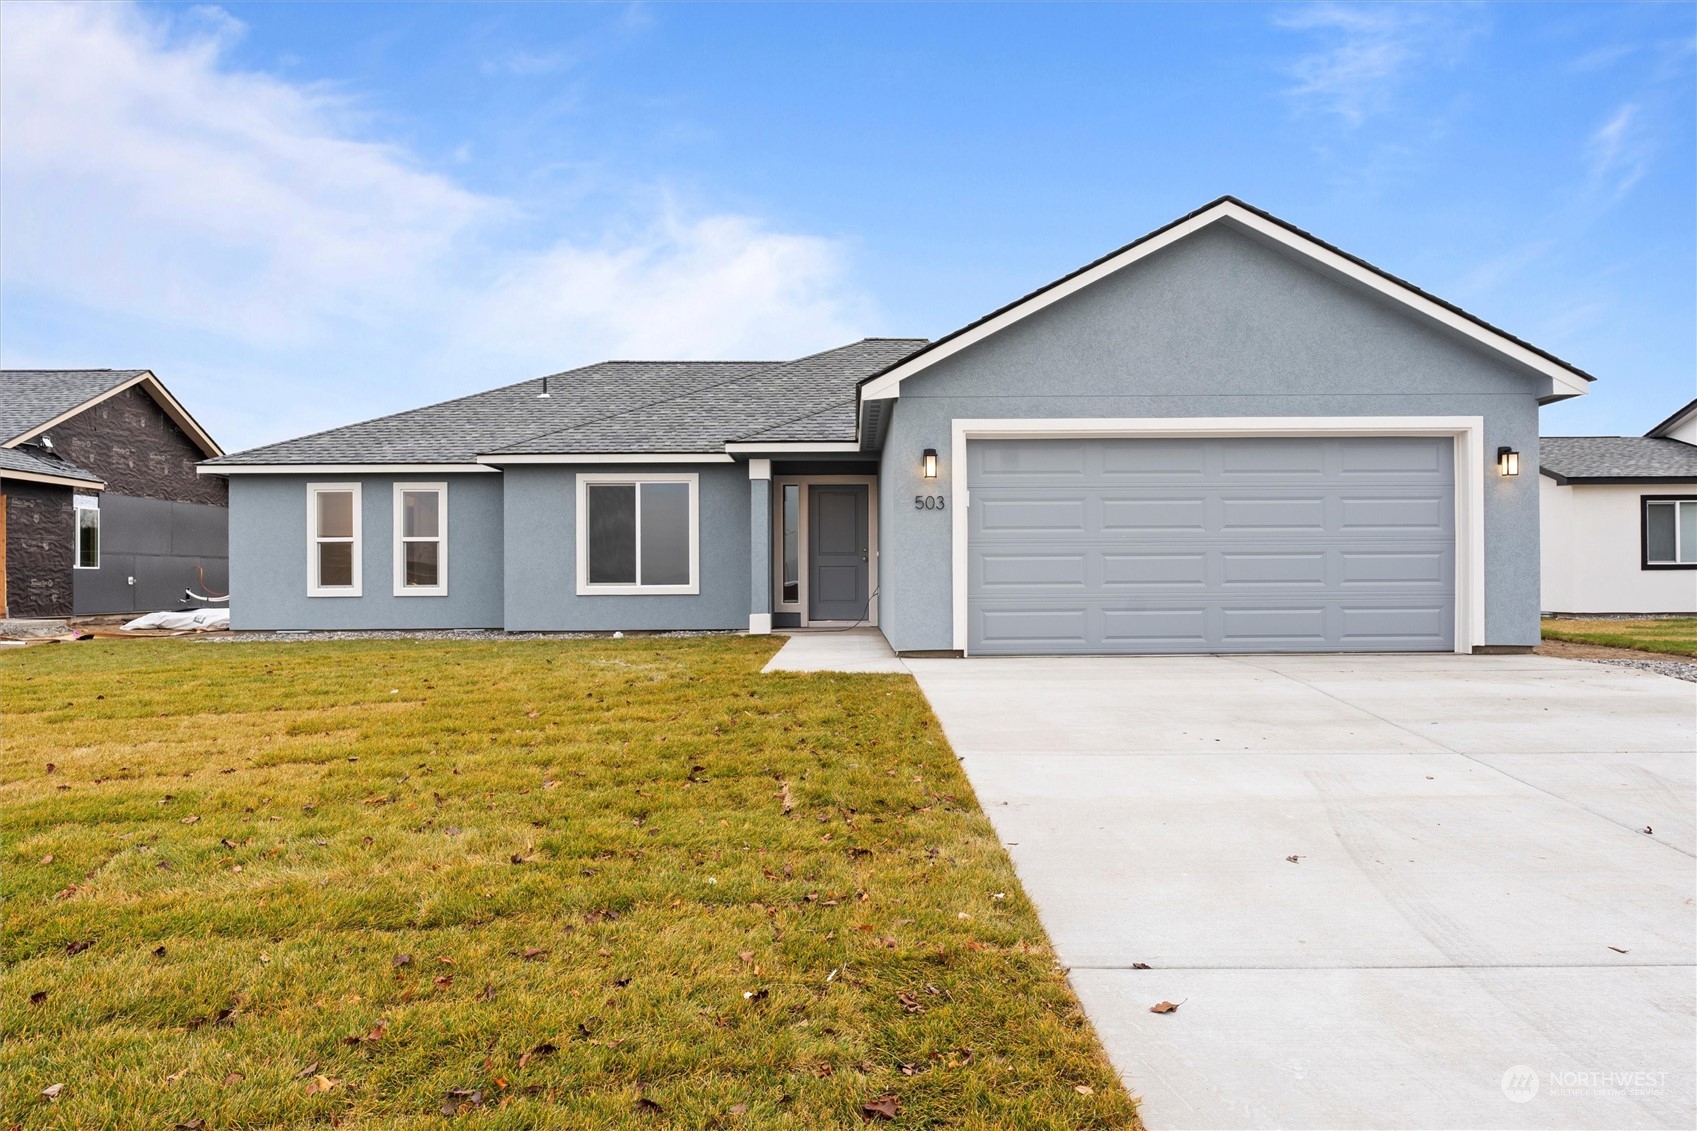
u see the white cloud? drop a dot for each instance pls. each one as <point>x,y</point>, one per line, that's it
<point>1366,53</point>
<point>144,177</point>
<point>1618,152</point>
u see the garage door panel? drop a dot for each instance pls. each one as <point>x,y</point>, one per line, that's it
<point>1240,513</point>
<point>1121,513</point>
<point>1250,568</point>
<point>1271,544</point>
<point>1003,571</point>
<point>1305,458</point>
<point>1182,627</point>
<point>1123,571</point>
<point>1043,515</point>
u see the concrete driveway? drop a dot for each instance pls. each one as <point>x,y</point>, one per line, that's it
<point>1474,837</point>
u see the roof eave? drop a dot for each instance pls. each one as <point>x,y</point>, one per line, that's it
<point>161,396</point>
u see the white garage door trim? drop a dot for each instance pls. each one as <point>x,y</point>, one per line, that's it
<point>1467,431</point>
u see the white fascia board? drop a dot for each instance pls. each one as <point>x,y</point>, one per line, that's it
<point>799,447</point>
<point>161,396</point>
<point>346,469</point>
<point>609,457</point>
<point>53,480</point>
<point>1566,382</point>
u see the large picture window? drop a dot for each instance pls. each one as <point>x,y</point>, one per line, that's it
<point>637,533</point>
<point>88,532</point>
<point>332,536</point>
<point>421,539</point>
<point>1670,531</point>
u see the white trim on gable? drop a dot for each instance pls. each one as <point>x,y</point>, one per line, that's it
<point>609,457</point>
<point>161,396</point>
<point>53,480</point>
<point>1565,381</point>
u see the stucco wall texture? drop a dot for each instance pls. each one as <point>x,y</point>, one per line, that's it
<point>1215,325</point>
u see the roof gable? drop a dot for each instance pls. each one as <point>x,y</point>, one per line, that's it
<point>1682,425</point>
<point>1563,380</point>
<point>34,400</point>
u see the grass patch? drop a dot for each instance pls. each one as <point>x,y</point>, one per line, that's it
<point>584,848</point>
<point>1676,636</point>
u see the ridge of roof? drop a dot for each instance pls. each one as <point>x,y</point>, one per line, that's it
<point>1678,415</point>
<point>1264,215</point>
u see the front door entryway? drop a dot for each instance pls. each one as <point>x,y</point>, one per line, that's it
<point>838,552</point>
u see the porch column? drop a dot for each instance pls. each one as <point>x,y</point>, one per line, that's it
<point>760,545</point>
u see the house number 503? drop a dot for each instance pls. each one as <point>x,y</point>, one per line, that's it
<point>928,502</point>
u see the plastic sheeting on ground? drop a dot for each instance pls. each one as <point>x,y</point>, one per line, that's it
<point>189,620</point>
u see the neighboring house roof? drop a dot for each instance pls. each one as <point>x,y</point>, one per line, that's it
<point>612,407</point>
<point>1615,459</point>
<point>1674,421</point>
<point>36,466</point>
<point>34,400</point>
<point>1567,380</point>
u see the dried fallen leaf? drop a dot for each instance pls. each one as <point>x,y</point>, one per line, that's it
<point>910,1003</point>
<point>193,818</point>
<point>401,960</point>
<point>443,981</point>
<point>194,1124</point>
<point>533,953</point>
<point>884,1107</point>
<point>77,946</point>
<point>1084,1089</point>
<point>175,1076</point>
<point>320,1084</point>
<point>51,1092</point>
<point>1294,859</point>
<point>1648,831</point>
<point>48,859</point>
<point>543,1049</point>
<point>1140,966</point>
<point>487,993</point>
<point>643,1103</point>
<point>233,1078</point>
<point>755,995</point>
<point>38,997</point>
<point>461,1100</point>
<point>746,955</point>
<point>739,1109</point>
<point>1618,949</point>
<point>159,952</point>
<point>307,1071</point>
<point>1163,1007</point>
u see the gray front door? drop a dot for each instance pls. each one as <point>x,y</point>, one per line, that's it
<point>1301,544</point>
<point>837,552</point>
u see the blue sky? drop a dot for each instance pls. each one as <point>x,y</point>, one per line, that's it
<point>301,216</point>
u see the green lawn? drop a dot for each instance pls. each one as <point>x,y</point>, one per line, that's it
<point>592,883</point>
<point>1674,635</point>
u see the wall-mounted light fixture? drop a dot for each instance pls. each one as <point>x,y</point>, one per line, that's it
<point>1508,461</point>
<point>930,463</point>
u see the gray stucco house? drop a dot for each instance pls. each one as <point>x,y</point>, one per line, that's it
<point>1227,436</point>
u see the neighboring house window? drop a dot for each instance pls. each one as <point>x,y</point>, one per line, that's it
<point>637,533</point>
<point>88,531</point>
<point>333,533</point>
<point>1670,531</point>
<point>421,539</point>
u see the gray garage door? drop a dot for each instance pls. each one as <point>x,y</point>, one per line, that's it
<point>1215,545</point>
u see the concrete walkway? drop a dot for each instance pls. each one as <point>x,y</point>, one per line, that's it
<point>1493,869</point>
<point>835,650</point>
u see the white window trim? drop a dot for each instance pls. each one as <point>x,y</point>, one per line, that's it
<point>1679,560</point>
<point>584,588</point>
<point>440,589</point>
<point>313,589</point>
<point>85,503</point>
<point>1470,475</point>
<point>804,546</point>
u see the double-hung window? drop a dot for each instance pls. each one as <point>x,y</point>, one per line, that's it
<point>421,539</point>
<point>637,533</point>
<point>1670,531</point>
<point>332,540</point>
<point>88,532</point>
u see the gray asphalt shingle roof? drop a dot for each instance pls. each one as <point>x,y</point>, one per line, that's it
<point>30,398</point>
<point>1584,458</point>
<point>610,407</point>
<point>30,461</point>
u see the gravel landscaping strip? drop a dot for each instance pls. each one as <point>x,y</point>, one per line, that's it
<point>1678,669</point>
<point>430,634</point>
